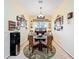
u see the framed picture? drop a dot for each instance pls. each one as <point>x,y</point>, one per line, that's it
<point>58,24</point>
<point>70,15</point>
<point>11,25</point>
<point>18,18</point>
<point>21,22</point>
<point>18,25</point>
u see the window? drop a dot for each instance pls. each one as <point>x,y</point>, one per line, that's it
<point>40,24</point>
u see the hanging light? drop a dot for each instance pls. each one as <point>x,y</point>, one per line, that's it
<point>40,16</point>
<point>40,12</point>
<point>40,1</point>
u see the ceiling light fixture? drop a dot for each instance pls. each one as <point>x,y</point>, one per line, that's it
<point>40,16</point>
<point>40,1</point>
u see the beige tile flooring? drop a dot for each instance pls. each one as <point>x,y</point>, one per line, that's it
<point>60,54</point>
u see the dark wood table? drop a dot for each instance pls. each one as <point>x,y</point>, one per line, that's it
<point>42,32</point>
<point>40,45</point>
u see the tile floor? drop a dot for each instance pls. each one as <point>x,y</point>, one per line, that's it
<point>60,54</point>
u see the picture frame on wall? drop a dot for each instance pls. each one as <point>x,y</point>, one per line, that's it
<point>70,15</point>
<point>21,22</point>
<point>58,23</point>
<point>18,18</point>
<point>11,25</point>
<point>18,25</point>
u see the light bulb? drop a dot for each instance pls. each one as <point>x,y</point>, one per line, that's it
<point>40,15</point>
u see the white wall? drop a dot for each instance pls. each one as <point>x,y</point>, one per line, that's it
<point>65,38</point>
<point>11,11</point>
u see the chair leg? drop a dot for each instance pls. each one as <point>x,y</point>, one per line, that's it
<point>50,49</point>
<point>32,49</point>
<point>47,50</point>
<point>29,47</point>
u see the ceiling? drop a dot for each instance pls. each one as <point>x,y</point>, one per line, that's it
<point>33,6</point>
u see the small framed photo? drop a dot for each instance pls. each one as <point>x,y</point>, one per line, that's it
<point>18,18</point>
<point>58,24</point>
<point>11,25</point>
<point>70,15</point>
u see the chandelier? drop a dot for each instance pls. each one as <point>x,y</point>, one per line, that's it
<point>40,16</point>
